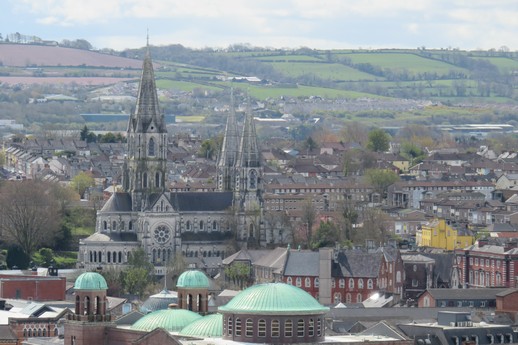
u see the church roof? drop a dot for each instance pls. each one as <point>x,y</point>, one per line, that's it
<point>202,201</point>
<point>274,299</point>
<point>111,237</point>
<point>210,326</point>
<point>118,202</point>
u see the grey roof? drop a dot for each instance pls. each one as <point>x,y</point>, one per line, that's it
<point>202,201</point>
<point>463,294</point>
<point>246,255</point>
<point>357,264</point>
<point>112,237</point>
<point>302,264</point>
<point>416,258</point>
<point>118,202</point>
<point>129,318</point>
<point>384,329</point>
<point>507,292</point>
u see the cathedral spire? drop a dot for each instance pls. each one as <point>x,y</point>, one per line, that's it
<point>147,112</point>
<point>229,150</point>
<point>248,150</point>
<point>145,166</point>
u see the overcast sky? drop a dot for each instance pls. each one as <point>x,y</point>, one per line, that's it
<point>323,24</point>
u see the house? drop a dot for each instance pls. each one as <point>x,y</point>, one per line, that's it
<point>418,274</point>
<point>440,233</point>
<point>32,287</point>
<point>487,263</point>
<point>454,328</point>
<point>473,298</point>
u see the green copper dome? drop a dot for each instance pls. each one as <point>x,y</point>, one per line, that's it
<point>172,320</point>
<point>275,299</point>
<point>90,281</point>
<point>193,279</point>
<point>210,326</point>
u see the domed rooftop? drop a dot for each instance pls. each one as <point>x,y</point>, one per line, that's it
<point>210,326</point>
<point>161,300</point>
<point>193,279</point>
<point>90,281</point>
<point>274,298</point>
<point>172,320</point>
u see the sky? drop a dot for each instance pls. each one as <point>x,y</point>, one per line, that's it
<point>319,24</point>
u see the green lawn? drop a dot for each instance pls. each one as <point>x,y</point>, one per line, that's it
<point>191,119</point>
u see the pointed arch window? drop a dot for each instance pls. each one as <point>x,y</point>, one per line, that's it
<point>157,180</point>
<point>144,181</point>
<point>253,179</point>
<point>151,147</point>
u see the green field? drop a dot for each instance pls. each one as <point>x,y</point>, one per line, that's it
<point>505,65</point>
<point>190,119</point>
<point>264,92</point>
<point>400,61</point>
<point>288,58</point>
<point>183,85</point>
<point>330,71</point>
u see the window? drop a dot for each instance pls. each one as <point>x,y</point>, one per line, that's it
<point>151,147</point>
<point>288,328</point>
<point>351,283</point>
<point>229,327</point>
<point>105,225</point>
<point>415,282</point>
<point>188,225</point>
<point>249,328</point>
<point>398,277</point>
<point>300,328</point>
<point>471,261</point>
<point>288,281</point>
<point>348,298</point>
<point>341,283</point>
<point>238,327</point>
<point>276,329</point>
<point>319,327</point>
<point>261,328</point>
<point>307,282</point>
<point>360,283</point>
<point>333,283</point>
<point>299,282</point>
<point>311,327</point>
<point>369,284</point>
<point>201,225</point>
<point>317,282</point>
<point>214,225</point>
<point>359,298</point>
<point>130,225</point>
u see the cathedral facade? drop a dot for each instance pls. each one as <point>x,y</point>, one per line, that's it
<point>145,214</point>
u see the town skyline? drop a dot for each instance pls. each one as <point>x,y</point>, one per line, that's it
<point>121,24</point>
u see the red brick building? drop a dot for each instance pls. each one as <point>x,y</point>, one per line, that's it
<point>36,288</point>
<point>487,265</point>
<point>351,276</point>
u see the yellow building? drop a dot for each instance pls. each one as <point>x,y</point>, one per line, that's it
<point>438,234</point>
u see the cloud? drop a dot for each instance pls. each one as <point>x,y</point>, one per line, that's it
<point>467,24</point>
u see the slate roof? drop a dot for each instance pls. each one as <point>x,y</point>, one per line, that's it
<point>384,329</point>
<point>118,202</point>
<point>463,294</point>
<point>246,255</point>
<point>356,264</point>
<point>302,264</point>
<point>206,201</point>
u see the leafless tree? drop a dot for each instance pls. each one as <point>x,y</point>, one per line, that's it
<point>30,214</point>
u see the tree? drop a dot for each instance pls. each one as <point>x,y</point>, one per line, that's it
<point>355,133</point>
<point>238,273</point>
<point>176,267</point>
<point>412,152</point>
<point>381,179</point>
<point>308,217</point>
<point>30,215</point>
<point>374,227</point>
<point>84,133</point>
<point>378,141</point>
<point>17,257</point>
<point>349,217</point>
<point>81,182</point>
<point>139,275</point>
<point>325,236</point>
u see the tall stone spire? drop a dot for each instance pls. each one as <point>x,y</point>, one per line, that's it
<point>248,165</point>
<point>229,151</point>
<point>144,169</point>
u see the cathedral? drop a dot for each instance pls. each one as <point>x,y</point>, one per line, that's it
<point>145,214</point>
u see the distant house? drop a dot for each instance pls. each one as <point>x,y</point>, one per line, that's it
<point>473,298</point>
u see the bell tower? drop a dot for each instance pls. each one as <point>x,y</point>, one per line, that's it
<point>144,170</point>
